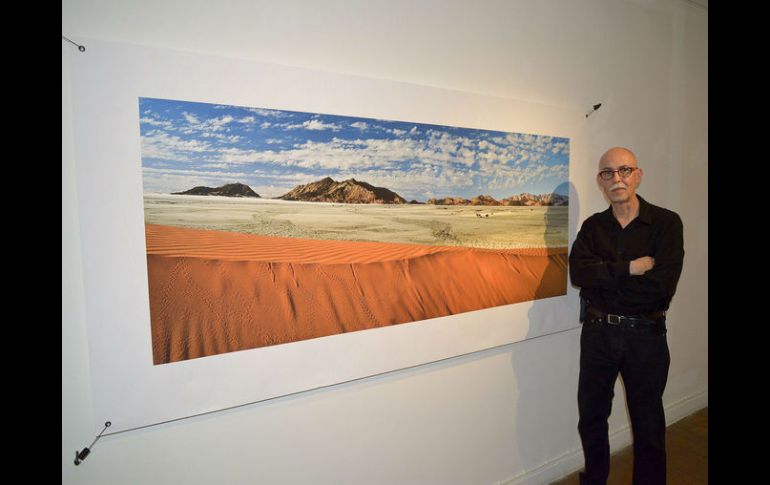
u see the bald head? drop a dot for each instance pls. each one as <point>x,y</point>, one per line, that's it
<point>619,189</point>
<point>616,157</point>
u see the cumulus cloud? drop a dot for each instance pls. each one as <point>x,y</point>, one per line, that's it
<point>210,126</point>
<point>190,118</point>
<point>316,125</point>
<point>269,112</point>
<point>560,147</point>
<point>161,145</point>
<point>439,149</point>
<point>165,124</point>
<point>507,178</point>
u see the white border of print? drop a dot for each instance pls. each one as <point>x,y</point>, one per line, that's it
<point>127,388</point>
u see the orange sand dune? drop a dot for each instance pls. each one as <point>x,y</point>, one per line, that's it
<point>213,292</point>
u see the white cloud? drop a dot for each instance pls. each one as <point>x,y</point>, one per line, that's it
<point>210,126</point>
<point>337,154</point>
<point>360,125</point>
<point>560,147</point>
<point>238,156</point>
<point>163,146</point>
<point>314,125</point>
<point>217,124</point>
<point>293,178</point>
<point>191,118</point>
<point>269,112</point>
<point>507,178</point>
<point>165,124</point>
<point>526,149</point>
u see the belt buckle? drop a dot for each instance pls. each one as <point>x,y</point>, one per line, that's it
<point>613,319</point>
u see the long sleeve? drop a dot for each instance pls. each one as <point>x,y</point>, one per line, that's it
<point>587,268</point>
<point>668,250</point>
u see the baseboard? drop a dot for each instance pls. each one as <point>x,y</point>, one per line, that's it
<point>552,470</point>
<point>572,461</point>
<point>686,406</point>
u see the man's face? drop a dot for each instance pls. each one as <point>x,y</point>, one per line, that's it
<point>619,187</point>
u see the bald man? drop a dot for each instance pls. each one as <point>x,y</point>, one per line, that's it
<point>626,261</point>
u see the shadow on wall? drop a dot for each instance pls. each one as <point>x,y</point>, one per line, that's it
<point>545,316</point>
<point>541,376</point>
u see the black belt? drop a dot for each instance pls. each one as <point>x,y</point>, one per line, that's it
<point>648,319</point>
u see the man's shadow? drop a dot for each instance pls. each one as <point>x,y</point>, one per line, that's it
<point>559,222</point>
<point>541,375</point>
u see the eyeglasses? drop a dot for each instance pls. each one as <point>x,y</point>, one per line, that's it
<point>624,172</point>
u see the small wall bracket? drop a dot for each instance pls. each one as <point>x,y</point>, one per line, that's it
<point>82,454</point>
<point>596,106</point>
<point>81,48</point>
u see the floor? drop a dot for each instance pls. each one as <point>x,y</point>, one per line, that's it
<point>686,450</point>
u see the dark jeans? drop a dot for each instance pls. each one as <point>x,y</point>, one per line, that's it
<point>642,358</point>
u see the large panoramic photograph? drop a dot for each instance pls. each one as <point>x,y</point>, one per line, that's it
<point>266,226</point>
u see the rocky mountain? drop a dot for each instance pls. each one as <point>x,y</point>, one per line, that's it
<point>349,191</point>
<point>450,201</point>
<point>228,190</point>
<point>536,199</point>
<point>521,199</point>
<point>484,200</point>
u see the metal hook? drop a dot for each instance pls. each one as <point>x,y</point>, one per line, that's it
<point>82,454</point>
<point>596,106</point>
<point>81,48</point>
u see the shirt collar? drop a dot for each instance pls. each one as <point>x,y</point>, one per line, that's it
<point>645,211</point>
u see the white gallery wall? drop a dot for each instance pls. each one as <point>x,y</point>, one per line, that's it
<point>506,415</point>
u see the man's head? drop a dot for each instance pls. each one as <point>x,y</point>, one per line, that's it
<point>619,175</point>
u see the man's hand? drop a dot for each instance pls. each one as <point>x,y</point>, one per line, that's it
<point>639,266</point>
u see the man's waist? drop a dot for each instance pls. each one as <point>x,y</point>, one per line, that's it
<point>651,318</point>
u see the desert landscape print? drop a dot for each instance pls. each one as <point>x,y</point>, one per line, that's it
<point>267,227</point>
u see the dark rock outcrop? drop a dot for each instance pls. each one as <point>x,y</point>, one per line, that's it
<point>228,190</point>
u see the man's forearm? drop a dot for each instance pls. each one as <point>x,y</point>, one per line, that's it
<point>639,266</point>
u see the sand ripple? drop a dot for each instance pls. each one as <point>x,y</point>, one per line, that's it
<point>213,292</point>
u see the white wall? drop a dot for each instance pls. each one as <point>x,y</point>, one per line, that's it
<point>499,416</point>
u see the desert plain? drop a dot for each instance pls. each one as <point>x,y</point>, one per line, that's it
<point>230,274</point>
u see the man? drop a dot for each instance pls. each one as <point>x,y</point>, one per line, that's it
<point>627,261</point>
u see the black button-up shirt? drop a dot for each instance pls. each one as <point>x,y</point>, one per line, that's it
<point>600,257</point>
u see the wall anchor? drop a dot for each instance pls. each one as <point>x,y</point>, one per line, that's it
<point>82,454</point>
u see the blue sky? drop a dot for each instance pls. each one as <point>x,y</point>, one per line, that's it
<point>186,144</point>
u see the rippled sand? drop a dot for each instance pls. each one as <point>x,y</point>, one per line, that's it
<point>213,291</point>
